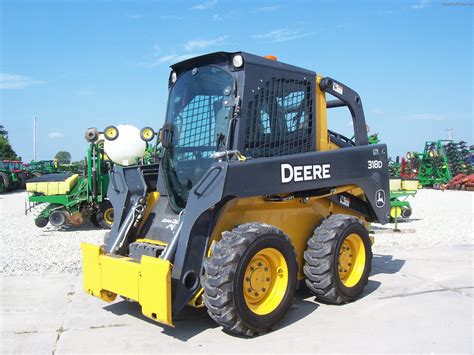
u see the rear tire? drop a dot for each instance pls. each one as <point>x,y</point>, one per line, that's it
<point>7,181</point>
<point>250,279</point>
<point>338,260</point>
<point>22,180</point>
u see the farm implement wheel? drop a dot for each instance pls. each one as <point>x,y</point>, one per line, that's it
<point>105,215</point>
<point>406,212</point>
<point>41,222</point>
<point>93,219</point>
<point>395,212</point>
<point>338,260</point>
<point>250,278</point>
<point>57,218</point>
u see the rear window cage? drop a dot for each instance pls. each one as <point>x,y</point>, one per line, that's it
<point>280,119</point>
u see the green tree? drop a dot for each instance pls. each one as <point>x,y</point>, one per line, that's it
<point>6,150</point>
<point>63,157</point>
<point>80,163</point>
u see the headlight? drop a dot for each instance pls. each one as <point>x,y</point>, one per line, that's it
<point>174,77</point>
<point>237,61</point>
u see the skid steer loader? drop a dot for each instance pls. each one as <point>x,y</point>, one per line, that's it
<point>253,194</point>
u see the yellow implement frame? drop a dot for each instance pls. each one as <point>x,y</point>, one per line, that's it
<point>148,282</point>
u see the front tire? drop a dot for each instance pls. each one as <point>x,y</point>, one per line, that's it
<point>250,279</point>
<point>338,260</point>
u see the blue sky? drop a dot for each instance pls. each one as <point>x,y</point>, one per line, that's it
<point>77,64</point>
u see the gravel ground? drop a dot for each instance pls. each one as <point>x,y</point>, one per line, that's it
<point>29,250</point>
<point>439,219</point>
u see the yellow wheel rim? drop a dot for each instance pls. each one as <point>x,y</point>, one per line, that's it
<point>111,133</point>
<point>265,281</point>
<point>395,212</point>
<point>351,261</point>
<point>109,216</point>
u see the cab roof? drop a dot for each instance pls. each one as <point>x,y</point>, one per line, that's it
<point>249,59</point>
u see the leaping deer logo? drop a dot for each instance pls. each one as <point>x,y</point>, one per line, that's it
<point>380,198</point>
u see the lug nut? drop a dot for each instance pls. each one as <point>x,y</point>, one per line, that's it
<point>256,294</point>
<point>247,279</point>
<point>264,289</point>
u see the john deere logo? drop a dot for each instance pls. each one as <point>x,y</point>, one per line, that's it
<point>380,198</point>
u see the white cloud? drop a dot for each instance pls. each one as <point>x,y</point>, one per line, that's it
<point>217,17</point>
<point>203,43</point>
<point>435,116</point>
<point>281,35</point>
<point>268,8</point>
<point>15,81</point>
<point>205,5</point>
<point>192,48</point>
<point>169,58</point>
<point>421,4</point>
<point>54,135</point>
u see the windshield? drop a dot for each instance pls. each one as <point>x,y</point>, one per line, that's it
<point>199,122</point>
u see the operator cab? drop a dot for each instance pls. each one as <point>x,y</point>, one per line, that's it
<point>206,96</point>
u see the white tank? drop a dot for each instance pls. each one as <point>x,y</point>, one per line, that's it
<point>127,148</point>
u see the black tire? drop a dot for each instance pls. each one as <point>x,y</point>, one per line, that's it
<point>406,212</point>
<point>103,215</point>
<point>57,218</point>
<point>111,133</point>
<point>223,280</point>
<point>41,222</point>
<point>22,180</point>
<point>93,219</point>
<point>7,181</point>
<point>322,259</point>
<point>147,134</point>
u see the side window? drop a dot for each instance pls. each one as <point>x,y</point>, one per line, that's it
<point>279,120</point>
